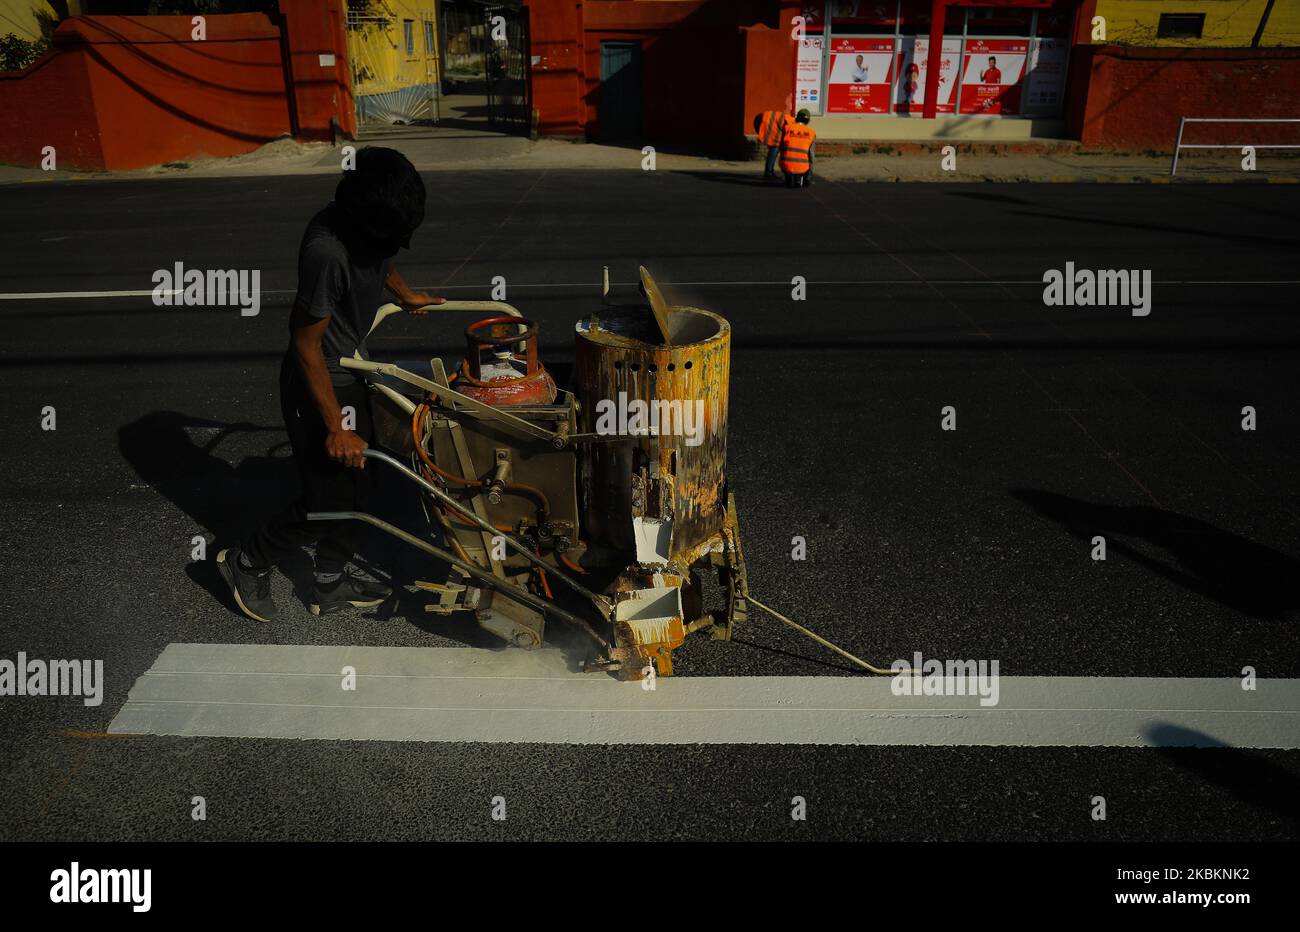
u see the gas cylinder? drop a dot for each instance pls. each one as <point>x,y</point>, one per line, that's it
<point>512,373</point>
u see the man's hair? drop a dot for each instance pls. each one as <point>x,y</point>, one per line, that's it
<point>803,116</point>
<point>382,198</point>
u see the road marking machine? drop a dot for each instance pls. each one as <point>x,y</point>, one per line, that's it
<point>603,505</point>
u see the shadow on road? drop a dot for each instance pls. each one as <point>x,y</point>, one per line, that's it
<point>1250,577</point>
<point>997,198</point>
<point>755,180</point>
<point>190,461</point>
<point>1247,775</point>
<point>1067,216</point>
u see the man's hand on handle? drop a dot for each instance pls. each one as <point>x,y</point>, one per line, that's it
<point>415,303</point>
<point>408,298</point>
<point>345,447</point>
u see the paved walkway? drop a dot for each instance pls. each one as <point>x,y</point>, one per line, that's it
<point>463,141</point>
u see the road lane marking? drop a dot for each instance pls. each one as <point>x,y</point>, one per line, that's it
<point>517,696</point>
<point>59,295</point>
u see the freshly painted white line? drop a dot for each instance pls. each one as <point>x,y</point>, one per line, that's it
<point>510,695</point>
<point>54,295</point>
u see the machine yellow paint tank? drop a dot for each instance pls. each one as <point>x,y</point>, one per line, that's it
<point>669,468</point>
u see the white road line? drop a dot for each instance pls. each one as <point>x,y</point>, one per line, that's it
<point>467,694</point>
<point>60,295</point>
<point>577,286</point>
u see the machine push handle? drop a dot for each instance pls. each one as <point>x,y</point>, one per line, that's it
<point>477,307</point>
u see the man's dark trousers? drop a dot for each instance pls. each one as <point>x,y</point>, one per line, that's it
<point>326,484</point>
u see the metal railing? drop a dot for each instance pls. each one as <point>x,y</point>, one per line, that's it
<point>1182,123</point>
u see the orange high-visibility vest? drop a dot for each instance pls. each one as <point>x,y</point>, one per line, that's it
<point>770,128</point>
<point>796,149</point>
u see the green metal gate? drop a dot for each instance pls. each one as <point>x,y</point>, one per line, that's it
<point>620,90</point>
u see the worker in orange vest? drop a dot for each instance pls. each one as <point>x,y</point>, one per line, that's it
<point>797,151</point>
<point>770,125</point>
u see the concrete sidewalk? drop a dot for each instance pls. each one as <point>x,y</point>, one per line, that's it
<point>462,145</point>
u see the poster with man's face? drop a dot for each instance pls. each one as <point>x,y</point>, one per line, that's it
<point>991,75</point>
<point>861,72</point>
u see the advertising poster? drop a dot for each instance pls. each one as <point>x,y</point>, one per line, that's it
<point>913,62</point>
<point>808,76</point>
<point>860,76</point>
<point>991,76</point>
<point>1045,81</point>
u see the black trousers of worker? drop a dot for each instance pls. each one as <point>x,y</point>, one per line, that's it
<point>326,484</point>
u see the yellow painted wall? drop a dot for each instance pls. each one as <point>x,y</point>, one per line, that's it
<point>23,17</point>
<point>1228,23</point>
<point>380,61</point>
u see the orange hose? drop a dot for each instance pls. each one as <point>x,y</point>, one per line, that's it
<point>417,434</point>
<point>516,488</point>
<point>570,564</point>
<point>546,587</point>
<point>543,503</point>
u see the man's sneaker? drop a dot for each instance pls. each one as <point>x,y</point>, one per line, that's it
<point>349,590</point>
<point>252,591</point>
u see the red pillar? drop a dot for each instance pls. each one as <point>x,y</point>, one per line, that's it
<point>1083,22</point>
<point>320,85</point>
<point>557,40</point>
<point>933,61</point>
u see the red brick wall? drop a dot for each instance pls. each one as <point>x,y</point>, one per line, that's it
<point>1133,98</point>
<point>49,104</point>
<point>161,96</point>
<point>129,92</point>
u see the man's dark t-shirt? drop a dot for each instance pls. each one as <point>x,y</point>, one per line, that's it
<point>345,286</point>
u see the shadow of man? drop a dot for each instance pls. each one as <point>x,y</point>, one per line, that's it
<point>191,460</point>
<point>1245,774</point>
<point>185,458</point>
<point>1231,569</point>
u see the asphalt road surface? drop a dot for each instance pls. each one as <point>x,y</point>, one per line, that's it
<point>975,543</point>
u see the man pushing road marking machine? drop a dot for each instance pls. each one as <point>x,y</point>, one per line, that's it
<point>549,509</point>
<point>613,489</point>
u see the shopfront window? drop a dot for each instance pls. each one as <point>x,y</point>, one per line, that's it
<point>996,61</point>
